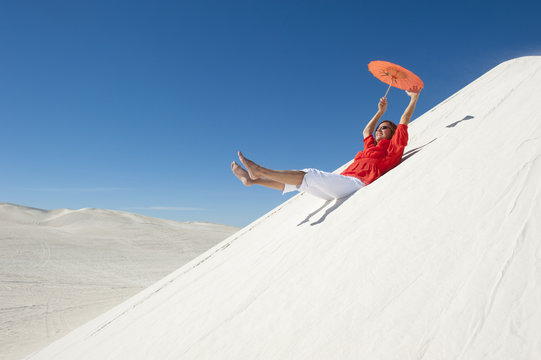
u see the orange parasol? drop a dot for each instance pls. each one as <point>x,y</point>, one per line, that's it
<point>395,75</point>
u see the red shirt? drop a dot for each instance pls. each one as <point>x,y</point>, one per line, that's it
<point>376,160</point>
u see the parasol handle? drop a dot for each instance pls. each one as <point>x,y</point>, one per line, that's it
<point>389,88</point>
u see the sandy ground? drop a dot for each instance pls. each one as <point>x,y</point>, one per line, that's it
<point>62,268</point>
<point>438,259</point>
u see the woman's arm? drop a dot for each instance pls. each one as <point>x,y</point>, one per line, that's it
<point>371,126</point>
<point>414,95</point>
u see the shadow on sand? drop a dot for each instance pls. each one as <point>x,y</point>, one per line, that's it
<point>468,117</point>
<point>337,204</point>
<point>412,152</point>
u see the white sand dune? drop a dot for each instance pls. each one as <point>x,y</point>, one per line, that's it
<point>62,268</point>
<point>438,259</point>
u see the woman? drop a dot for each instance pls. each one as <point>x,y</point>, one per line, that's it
<point>381,153</point>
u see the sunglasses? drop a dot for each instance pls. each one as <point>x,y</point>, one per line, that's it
<point>384,127</point>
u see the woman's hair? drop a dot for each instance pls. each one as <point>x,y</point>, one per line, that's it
<point>391,124</point>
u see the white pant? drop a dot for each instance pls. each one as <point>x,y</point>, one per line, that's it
<point>326,185</point>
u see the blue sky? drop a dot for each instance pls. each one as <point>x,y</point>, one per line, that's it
<point>142,105</point>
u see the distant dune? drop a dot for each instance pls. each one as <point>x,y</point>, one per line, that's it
<point>61,268</point>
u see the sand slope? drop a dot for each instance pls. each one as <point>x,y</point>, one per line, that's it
<point>438,259</point>
<point>61,268</point>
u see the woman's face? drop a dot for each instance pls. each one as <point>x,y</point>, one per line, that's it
<point>384,131</point>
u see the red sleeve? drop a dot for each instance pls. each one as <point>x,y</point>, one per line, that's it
<point>400,137</point>
<point>369,142</point>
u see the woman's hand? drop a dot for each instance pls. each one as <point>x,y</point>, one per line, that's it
<point>382,105</point>
<point>413,92</point>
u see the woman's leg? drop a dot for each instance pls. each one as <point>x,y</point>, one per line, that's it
<point>329,185</point>
<point>319,183</point>
<point>255,172</point>
<point>246,180</point>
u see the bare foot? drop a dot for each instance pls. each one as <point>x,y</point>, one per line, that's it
<point>251,167</point>
<point>241,174</point>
